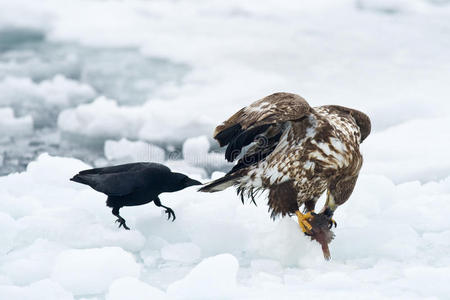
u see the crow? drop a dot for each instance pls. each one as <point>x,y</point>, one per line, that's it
<point>134,184</point>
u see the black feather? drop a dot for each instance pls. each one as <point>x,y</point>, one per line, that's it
<point>225,136</point>
<point>259,155</point>
<point>243,139</point>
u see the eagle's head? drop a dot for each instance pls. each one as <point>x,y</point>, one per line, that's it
<point>363,122</point>
<point>361,119</point>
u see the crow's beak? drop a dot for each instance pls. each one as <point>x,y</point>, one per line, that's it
<point>192,182</point>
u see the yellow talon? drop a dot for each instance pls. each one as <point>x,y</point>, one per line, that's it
<point>303,221</point>
<point>332,223</point>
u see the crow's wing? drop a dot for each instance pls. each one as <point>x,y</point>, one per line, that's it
<point>132,167</point>
<point>123,179</point>
<point>114,184</point>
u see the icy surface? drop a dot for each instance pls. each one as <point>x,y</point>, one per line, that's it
<point>132,288</point>
<point>127,151</point>
<point>12,126</point>
<point>414,150</point>
<point>44,289</point>
<point>149,80</point>
<point>182,252</point>
<point>388,235</point>
<point>213,278</point>
<point>91,271</point>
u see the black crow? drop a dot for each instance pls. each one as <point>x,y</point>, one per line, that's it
<point>134,184</point>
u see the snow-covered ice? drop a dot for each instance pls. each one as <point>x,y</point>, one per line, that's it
<point>91,271</point>
<point>43,289</point>
<point>182,252</point>
<point>149,80</point>
<point>128,151</point>
<point>132,288</point>
<point>213,278</point>
<point>12,126</point>
<point>387,235</point>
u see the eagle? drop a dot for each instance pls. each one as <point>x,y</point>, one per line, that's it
<point>295,152</point>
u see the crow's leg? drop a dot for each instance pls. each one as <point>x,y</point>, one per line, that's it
<point>120,220</point>
<point>170,213</point>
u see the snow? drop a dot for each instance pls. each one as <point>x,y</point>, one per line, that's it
<point>127,151</point>
<point>40,98</point>
<point>217,273</point>
<point>132,288</point>
<point>45,288</point>
<point>12,126</point>
<point>414,150</point>
<point>149,81</point>
<point>387,233</point>
<point>182,252</point>
<point>91,271</point>
<point>9,234</point>
<point>102,118</point>
<point>196,151</point>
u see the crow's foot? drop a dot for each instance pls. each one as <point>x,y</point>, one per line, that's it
<point>121,222</point>
<point>170,214</point>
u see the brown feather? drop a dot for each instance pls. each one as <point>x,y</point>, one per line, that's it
<point>282,199</point>
<point>275,108</point>
<point>305,151</point>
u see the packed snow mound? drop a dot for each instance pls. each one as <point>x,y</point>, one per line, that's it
<point>44,289</point>
<point>10,232</point>
<point>127,151</point>
<point>102,119</point>
<point>131,288</point>
<point>196,152</point>
<point>41,99</point>
<point>414,150</point>
<point>160,121</point>
<point>213,278</point>
<point>12,126</point>
<point>91,271</point>
<point>181,252</point>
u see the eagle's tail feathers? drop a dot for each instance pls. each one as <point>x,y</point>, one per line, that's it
<point>220,184</point>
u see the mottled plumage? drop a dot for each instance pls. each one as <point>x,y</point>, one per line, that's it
<point>293,150</point>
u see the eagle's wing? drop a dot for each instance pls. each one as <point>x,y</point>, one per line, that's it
<point>264,117</point>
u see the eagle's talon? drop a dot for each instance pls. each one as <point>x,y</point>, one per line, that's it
<point>303,221</point>
<point>332,223</point>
